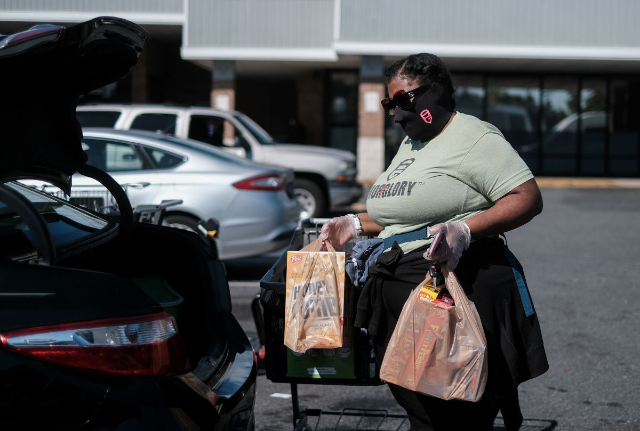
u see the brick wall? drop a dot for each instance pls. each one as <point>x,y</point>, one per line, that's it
<point>370,131</point>
<point>370,124</point>
<point>223,96</point>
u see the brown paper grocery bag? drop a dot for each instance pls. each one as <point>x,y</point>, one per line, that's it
<point>314,304</point>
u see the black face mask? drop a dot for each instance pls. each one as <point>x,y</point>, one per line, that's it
<point>429,115</point>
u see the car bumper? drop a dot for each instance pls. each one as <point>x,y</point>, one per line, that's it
<point>252,233</point>
<point>344,193</point>
<point>169,405</point>
<point>275,239</point>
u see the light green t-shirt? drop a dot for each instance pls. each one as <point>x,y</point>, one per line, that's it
<point>453,177</point>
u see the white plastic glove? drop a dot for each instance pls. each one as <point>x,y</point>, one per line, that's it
<point>451,239</point>
<point>339,230</point>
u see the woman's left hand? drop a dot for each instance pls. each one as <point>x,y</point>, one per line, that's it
<point>451,239</point>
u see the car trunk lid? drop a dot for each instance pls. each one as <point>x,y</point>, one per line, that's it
<point>43,71</point>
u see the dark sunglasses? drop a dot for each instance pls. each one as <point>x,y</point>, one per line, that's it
<point>403,99</point>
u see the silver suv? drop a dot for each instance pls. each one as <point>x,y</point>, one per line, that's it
<point>325,177</point>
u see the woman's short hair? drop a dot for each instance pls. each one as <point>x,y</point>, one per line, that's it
<point>425,68</point>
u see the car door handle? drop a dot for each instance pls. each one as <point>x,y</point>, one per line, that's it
<point>141,185</point>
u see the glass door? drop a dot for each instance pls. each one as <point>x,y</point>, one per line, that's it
<point>624,128</point>
<point>343,110</point>
<point>513,106</point>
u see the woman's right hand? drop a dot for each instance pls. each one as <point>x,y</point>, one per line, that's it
<point>451,239</point>
<point>339,230</point>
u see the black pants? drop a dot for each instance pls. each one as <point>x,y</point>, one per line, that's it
<point>480,272</point>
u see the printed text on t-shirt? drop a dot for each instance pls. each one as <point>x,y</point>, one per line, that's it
<point>401,188</point>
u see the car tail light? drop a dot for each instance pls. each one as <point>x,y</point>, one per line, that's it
<point>262,182</point>
<point>145,346</point>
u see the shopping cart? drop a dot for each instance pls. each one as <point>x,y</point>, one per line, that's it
<point>278,359</point>
<point>100,201</point>
<point>103,202</point>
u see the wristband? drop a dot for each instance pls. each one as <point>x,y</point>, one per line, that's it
<point>358,224</point>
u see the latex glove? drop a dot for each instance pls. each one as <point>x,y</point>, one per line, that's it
<point>339,231</point>
<point>451,239</point>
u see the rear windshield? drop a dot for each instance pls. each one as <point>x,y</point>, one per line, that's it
<point>97,118</point>
<point>66,224</point>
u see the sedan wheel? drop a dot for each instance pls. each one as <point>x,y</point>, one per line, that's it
<point>180,222</point>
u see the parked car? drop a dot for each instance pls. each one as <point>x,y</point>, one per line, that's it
<point>325,177</point>
<point>254,203</point>
<point>104,323</point>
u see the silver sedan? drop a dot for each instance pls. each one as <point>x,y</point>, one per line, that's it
<point>254,203</point>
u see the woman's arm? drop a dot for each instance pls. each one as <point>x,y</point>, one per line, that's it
<point>511,211</point>
<point>340,230</point>
<point>369,227</point>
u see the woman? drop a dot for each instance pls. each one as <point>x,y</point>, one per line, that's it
<point>456,175</point>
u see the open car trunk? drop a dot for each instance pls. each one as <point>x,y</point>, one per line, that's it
<point>81,314</point>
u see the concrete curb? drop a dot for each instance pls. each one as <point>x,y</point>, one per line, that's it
<point>588,183</point>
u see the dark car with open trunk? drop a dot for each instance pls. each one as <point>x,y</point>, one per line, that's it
<point>105,323</point>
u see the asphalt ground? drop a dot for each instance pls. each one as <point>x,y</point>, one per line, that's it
<point>580,258</point>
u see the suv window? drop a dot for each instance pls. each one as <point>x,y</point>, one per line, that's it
<point>217,131</point>
<point>207,129</point>
<point>258,132</point>
<point>165,123</point>
<point>97,118</point>
<point>162,159</point>
<point>112,156</point>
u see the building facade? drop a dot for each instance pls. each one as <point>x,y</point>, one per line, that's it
<point>559,79</point>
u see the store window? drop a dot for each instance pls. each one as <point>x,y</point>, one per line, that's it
<point>512,106</point>
<point>559,126</point>
<point>624,128</point>
<point>593,126</point>
<point>469,95</point>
